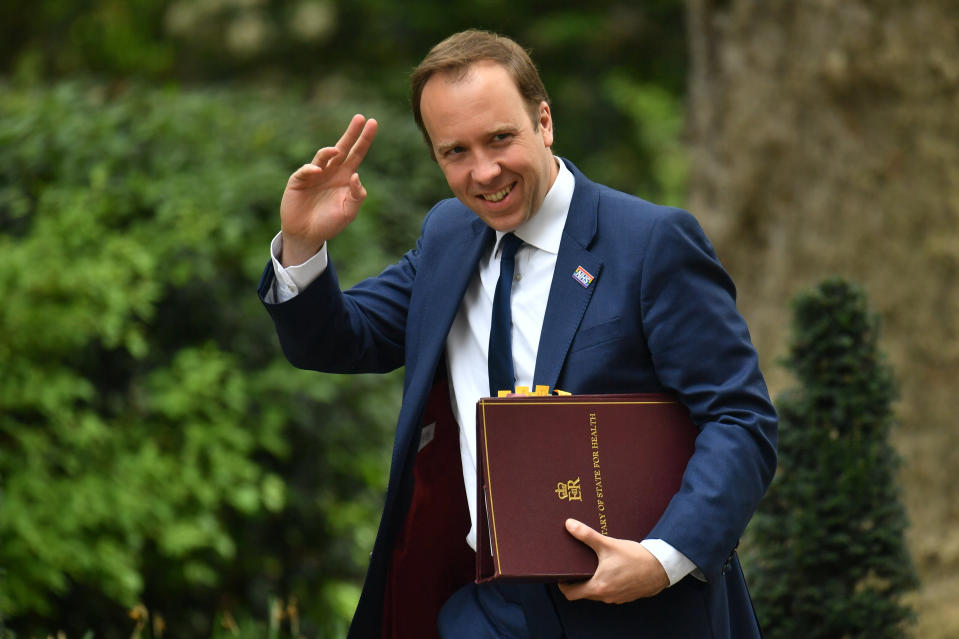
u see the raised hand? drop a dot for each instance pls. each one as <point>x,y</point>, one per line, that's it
<point>324,196</point>
<point>626,570</point>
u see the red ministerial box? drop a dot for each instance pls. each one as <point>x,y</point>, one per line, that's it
<point>610,461</point>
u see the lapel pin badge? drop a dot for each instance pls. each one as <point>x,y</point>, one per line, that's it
<point>583,276</point>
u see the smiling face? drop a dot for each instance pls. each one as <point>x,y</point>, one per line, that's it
<point>496,161</point>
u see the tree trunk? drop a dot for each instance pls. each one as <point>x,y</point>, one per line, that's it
<point>825,140</point>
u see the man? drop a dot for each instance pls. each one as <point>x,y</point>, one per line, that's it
<point>656,313</point>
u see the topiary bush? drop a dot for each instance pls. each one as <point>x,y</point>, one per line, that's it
<point>829,559</point>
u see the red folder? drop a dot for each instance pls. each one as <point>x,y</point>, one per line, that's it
<point>610,461</point>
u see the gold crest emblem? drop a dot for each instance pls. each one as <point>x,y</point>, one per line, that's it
<point>569,490</point>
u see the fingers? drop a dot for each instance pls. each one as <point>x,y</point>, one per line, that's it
<point>324,155</point>
<point>351,135</point>
<point>355,141</point>
<point>362,145</point>
<point>302,176</point>
<point>573,590</point>
<point>352,146</point>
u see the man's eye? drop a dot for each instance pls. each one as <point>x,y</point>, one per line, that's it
<point>455,150</point>
<point>502,137</point>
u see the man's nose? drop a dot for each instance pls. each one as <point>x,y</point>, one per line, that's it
<point>486,169</point>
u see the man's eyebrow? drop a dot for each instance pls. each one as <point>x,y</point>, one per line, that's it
<point>505,127</point>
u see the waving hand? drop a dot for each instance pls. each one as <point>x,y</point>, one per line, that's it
<point>324,196</point>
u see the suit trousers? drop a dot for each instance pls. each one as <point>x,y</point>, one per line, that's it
<point>499,611</point>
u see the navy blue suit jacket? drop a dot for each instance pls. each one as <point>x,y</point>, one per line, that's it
<point>660,315</point>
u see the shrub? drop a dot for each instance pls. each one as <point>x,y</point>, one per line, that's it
<point>830,559</point>
<point>154,445</point>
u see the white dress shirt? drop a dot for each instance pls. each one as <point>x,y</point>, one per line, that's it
<point>468,340</point>
<point>467,344</point>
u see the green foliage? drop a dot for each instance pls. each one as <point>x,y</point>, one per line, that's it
<point>154,445</point>
<point>656,119</point>
<point>830,559</point>
<point>615,70</point>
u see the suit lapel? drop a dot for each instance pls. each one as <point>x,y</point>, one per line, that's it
<point>445,284</point>
<point>569,296</point>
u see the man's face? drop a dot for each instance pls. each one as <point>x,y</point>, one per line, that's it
<point>484,139</point>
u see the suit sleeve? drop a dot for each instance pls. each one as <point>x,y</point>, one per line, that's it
<point>361,330</point>
<point>701,350</point>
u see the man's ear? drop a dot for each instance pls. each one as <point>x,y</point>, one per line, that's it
<point>545,121</point>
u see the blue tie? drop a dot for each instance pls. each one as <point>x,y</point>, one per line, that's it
<point>500,357</point>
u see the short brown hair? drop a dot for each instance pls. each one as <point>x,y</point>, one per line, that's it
<point>460,51</point>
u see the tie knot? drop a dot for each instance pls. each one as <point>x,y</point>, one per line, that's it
<point>509,245</point>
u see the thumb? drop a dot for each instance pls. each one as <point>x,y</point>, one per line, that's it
<point>585,534</point>
<point>357,190</point>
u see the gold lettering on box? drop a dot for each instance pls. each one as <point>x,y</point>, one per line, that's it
<point>597,473</point>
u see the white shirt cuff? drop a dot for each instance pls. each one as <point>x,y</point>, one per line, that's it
<point>291,280</point>
<point>675,563</point>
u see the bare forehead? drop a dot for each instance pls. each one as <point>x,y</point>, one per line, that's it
<point>482,89</point>
<point>470,71</point>
<point>486,76</point>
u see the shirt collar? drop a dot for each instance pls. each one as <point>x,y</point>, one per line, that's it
<point>544,229</point>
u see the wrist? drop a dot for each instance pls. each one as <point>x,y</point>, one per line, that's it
<point>293,251</point>
<point>674,563</point>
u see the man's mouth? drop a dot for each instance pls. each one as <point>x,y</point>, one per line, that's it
<point>499,195</point>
